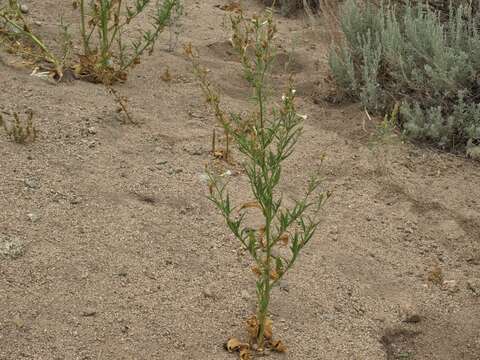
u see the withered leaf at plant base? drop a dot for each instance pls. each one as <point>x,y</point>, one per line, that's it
<point>233,344</point>
<point>219,154</point>
<point>245,353</point>
<point>278,346</point>
<point>268,331</point>
<point>252,327</point>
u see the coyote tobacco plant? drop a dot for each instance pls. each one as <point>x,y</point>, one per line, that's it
<point>266,142</point>
<point>103,23</point>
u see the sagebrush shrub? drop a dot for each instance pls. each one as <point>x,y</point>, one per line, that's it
<point>412,56</point>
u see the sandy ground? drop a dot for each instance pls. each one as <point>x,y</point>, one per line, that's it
<point>126,259</point>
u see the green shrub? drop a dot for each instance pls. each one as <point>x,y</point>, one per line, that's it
<point>266,137</point>
<point>107,56</point>
<point>410,55</point>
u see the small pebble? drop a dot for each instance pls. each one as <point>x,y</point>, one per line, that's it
<point>474,286</point>
<point>32,183</point>
<point>208,293</point>
<point>24,9</point>
<point>89,312</point>
<point>75,200</point>
<point>409,313</point>
<point>284,286</point>
<point>34,217</point>
<point>450,285</point>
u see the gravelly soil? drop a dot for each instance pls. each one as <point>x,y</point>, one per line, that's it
<point>124,258</point>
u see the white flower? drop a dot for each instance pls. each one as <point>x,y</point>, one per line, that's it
<point>284,98</point>
<point>304,117</point>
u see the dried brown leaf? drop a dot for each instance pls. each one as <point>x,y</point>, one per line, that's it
<point>233,6</point>
<point>245,353</point>
<point>233,344</point>
<point>219,154</point>
<point>261,236</point>
<point>252,327</point>
<point>256,270</point>
<point>435,275</point>
<point>274,275</point>
<point>284,239</point>
<point>278,346</point>
<point>268,331</point>
<point>166,76</point>
<point>250,205</point>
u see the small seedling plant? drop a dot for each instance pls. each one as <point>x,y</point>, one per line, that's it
<point>106,56</point>
<point>266,142</point>
<point>21,132</point>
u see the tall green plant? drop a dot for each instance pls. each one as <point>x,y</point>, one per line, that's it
<point>266,142</point>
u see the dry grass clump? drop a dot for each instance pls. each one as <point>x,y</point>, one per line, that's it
<point>290,6</point>
<point>21,132</point>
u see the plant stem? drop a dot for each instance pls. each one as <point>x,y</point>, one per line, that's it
<point>36,40</point>
<point>161,20</point>
<point>262,312</point>
<point>104,15</point>
<point>86,48</point>
<point>116,23</point>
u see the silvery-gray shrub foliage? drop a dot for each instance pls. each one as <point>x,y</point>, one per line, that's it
<point>410,55</point>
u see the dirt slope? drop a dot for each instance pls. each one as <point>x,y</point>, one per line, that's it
<point>126,259</point>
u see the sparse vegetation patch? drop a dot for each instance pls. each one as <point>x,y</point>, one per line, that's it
<point>21,132</point>
<point>108,51</point>
<point>11,248</point>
